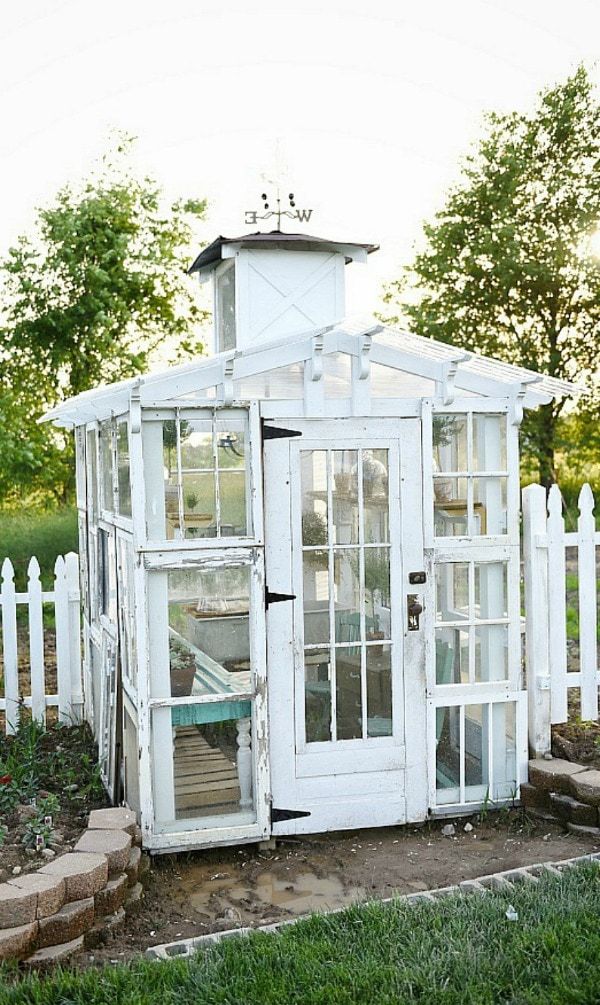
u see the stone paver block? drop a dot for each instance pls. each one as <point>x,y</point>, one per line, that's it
<point>84,873</point>
<point>534,797</point>
<point>133,866</point>
<point>67,924</point>
<point>49,890</point>
<point>591,832</point>
<point>569,809</point>
<point>553,775</point>
<point>115,818</point>
<point>522,875</point>
<point>102,929</point>
<point>114,844</point>
<point>17,907</point>
<point>17,942</point>
<point>45,958</point>
<point>471,886</point>
<point>111,898</point>
<point>133,900</point>
<point>586,786</point>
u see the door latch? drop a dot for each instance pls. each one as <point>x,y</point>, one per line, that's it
<point>414,610</point>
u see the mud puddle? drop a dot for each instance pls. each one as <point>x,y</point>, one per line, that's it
<point>303,893</point>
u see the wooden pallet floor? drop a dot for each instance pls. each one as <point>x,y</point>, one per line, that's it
<point>206,781</point>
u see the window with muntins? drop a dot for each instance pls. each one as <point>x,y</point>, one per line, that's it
<point>469,474</point>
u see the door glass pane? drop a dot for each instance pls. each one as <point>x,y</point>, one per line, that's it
<point>379,690</point>
<point>375,496</point>
<point>348,692</point>
<point>447,763</point>
<point>314,496</point>
<point>346,570</point>
<point>451,656</point>
<point>123,475</point>
<point>476,752</point>
<point>450,443</point>
<point>489,505</point>
<point>345,496</point>
<point>491,652</point>
<point>106,466</point>
<point>452,591</point>
<point>491,590</point>
<point>489,442</point>
<point>232,501</point>
<point>209,635</point>
<point>504,752</point>
<point>317,695</point>
<point>199,504</point>
<point>316,597</point>
<point>209,776</point>
<point>450,507</point>
<point>377,593</point>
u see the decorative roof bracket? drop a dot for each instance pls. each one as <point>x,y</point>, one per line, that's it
<point>225,387</point>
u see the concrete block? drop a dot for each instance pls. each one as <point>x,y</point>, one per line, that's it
<point>586,786</point>
<point>133,866</point>
<point>17,907</point>
<point>115,818</point>
<point>553,775</point>
<point>67,924</point>
<point>115,844</point>
<point>111,898</point>
<point>471,886</point>
<point>533,797</point>
<point>591,832</point>
<point>17,942</point>
<point>569,809</point>
<point>84,873</point>
<point>522,875</point>
<point>133,900</point>
<point>102,929</point>
<point>49,890</point>
<point>46,958</point>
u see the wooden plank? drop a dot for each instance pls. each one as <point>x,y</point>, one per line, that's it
<point>63,669</point>
<point>9,647</point>
<point>536,612</point>
<point>36,642</point>
<point>557,607</point>
<point>588,656</point>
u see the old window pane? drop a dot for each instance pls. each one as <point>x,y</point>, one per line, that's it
<point>348,693</point>
<point>450,507</point>
<point>92,476</point>
<point>316,597</point>
<point>489,505</point>
<point>314,497</point>
<point>106,461</point>
<point>209,636</point>
<point>379,690</point>
<point>123,473</point>
<point>377,593</point>
<point>209,779</point>
<point>375,496</point>
<point>450,442</point>
<point>346,595</point>
<point>345,496</point>
<point>225,308</point>
<point>489,442</point>
<point>317,695</point>
<point>447,764</point>
<point>477,726</point>
<point>491,591</point>
<point>199,504</point>
<point>491,652</point>
<point>452,591</point>
<point>451,656</point>
<point>504,751</point>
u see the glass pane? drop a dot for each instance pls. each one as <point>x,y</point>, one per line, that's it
<point>447,762</point>
<point>123,476</point>
<point>209,633</point>
<point>489,505</point>
<point>346,596</point>
<point>451,656</point>
<point>316,597</point>
<point>92,471</point>
<point>491,590</point>
<point>127,647</point>
<point>317,695</point>
<point>450,443</point>
<point>491,652</point>
<point>452,591</point>
<point>199,508</point>
<point>504,750</point>
<point>232,503</point>
<point>476,752</point>
<point>379,690</point>
<point>377,593</point>
<point>106,465</point>
<point>450,507</point>
<point>345,496</point>
<point>231,445</point>
<point>169,430</point>
<point>226,308</point>
<point>196,444</point>
<point>489,443</point>
<point>313,470</point>
<point>80,472</point>
<point>348,688</point>
<point>375,496</point>
<point>210,779</point>
<point>107,574</point>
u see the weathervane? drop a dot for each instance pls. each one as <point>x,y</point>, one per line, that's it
<point>252,216</point>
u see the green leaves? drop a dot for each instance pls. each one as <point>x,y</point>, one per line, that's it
<point>503,270</point>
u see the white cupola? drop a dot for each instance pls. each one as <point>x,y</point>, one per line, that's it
<point>269,286</point>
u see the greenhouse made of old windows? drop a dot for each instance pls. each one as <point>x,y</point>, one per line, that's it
<point>300,565</point>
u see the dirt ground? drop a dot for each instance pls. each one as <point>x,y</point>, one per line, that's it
<point>203,892</point>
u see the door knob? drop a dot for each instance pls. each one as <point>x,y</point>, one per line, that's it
<point>414,610</point>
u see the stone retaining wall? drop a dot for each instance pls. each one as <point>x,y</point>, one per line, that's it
<point>76,899</point>
<point>564,791</point>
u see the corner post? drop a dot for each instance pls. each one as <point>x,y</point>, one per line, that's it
<point>535,555</point>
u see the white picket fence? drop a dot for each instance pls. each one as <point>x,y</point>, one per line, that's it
<point>65,598</point>
<point>544,550</point>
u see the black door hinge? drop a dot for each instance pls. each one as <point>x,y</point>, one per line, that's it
<point>276,433</point>
<point>278,815</point>
<point>276,598</point>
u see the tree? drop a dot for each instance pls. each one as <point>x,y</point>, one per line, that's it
<point>507,268</point>
<point>88,299</point>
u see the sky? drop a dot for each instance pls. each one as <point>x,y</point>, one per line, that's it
<point>362,109</point>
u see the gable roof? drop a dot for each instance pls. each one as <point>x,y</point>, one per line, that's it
<point>453,369</point>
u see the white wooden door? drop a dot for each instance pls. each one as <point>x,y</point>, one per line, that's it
<point>345,672</point>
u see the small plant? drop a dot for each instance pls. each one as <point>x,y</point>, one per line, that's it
<point>486,805</point>
<point>314,528</point>
<point>192,500</point>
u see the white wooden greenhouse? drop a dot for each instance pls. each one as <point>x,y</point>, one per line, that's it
<point>300,565</point>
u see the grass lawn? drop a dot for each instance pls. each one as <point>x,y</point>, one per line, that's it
<point>458,950</point>
<point>43,534</point>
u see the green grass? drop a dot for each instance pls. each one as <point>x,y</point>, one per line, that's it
<point>45,534</point>
<point>456,951</point>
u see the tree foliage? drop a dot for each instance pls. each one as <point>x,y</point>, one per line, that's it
<point>88,298</point>
<point>507,267</point>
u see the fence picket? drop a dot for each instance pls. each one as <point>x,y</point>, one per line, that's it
<point>588,658</point>
<point>36,642</point>
<point>9,647</point>
<point>63,668</point>
<point>557,611</point>
<point>75,669</point>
